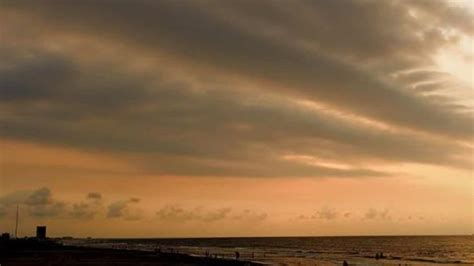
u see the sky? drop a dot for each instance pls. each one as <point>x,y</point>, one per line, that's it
<point>237,118</point>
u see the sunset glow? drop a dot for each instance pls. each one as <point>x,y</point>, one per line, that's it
<point>237,118</point>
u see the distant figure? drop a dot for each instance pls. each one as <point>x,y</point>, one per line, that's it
<point>237,255</point>
<point>253,255</point>
<point>345,263</point>
<point>377,256</point>
<point>381,255</point>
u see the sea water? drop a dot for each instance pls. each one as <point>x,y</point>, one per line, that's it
<point>397,250</point>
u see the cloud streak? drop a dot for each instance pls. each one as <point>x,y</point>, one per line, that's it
<point>171,213</point>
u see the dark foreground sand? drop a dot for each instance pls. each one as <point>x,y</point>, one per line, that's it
<point>25,253</point>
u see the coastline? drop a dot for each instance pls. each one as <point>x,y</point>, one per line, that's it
<point>32,252</point>
<point>90,252</point>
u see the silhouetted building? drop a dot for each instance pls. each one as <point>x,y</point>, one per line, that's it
<point>5,236</point>
<point>41,232</point>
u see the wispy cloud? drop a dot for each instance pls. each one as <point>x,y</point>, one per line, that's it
<point>172,213</point>
<point>125,209</point>
<point>374,214</point>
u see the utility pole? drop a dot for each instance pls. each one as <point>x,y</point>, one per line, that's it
<point>16,224</point>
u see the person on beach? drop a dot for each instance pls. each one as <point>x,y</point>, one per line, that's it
<point>345,263</point>
<point>237,255</point>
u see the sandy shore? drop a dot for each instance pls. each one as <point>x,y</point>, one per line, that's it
<point>35,253</point>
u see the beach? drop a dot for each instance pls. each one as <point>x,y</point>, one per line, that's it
<point>301,251</point>
<point>32,252</point>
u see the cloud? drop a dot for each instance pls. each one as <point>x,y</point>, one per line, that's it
<point>216,215</point>
<point>3,211</point>
<point>16,197</point>
<point>211,145</point>
<point>172,213</point>
<point>207,38</point>
<point>50,210</point>
<point>134,200</point>
<point>302,217</point>
<point>124,209</point>
<point>327,214</point>
<point>38,203</point>
<point>182,149</point>
<point>81,211</point>
<point>250,215</point>
<point>89,209</point>
<point>208,88</point>
<point>178,214</point>
<point>374,214</point>
<point>94,195</point>
<point>41,196</point>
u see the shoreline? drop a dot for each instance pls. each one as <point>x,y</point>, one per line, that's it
<point>33,252</point>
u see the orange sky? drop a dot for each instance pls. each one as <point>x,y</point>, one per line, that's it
<point>166,119</point>
<point>413,204</point>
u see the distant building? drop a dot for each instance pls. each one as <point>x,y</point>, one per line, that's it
<point>41,232</point>
<point>5,236</point>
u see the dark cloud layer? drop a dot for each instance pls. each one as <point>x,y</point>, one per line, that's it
<point>339,54</point>
<point>199,36</point>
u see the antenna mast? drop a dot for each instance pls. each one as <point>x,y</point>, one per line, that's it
<point>16,224</point>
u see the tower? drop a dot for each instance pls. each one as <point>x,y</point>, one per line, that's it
<point>16,223</point>
<point>41,232</point>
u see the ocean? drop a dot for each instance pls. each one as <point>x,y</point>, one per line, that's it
<point>397,250</point>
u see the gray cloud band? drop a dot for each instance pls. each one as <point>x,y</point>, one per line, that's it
<point>51,97</point>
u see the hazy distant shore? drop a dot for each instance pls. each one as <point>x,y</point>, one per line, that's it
<point>25,253</point>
